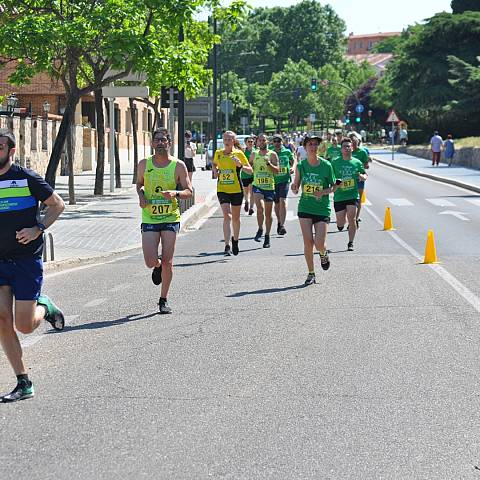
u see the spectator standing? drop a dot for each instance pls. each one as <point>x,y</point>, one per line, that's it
<point>190,152</point>
<point>403,136</point>
<point>449,149</point>
<point>436,144</point>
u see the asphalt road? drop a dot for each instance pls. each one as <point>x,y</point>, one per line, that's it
<point>370,374</point>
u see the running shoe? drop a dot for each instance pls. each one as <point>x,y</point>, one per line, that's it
<point>310,279</point>
<point>53,315</point>
<point>157,275</point>
<point>246,207</point>
<point>266,242</point>
<point>350,246</point>
<point>22,391</point>
<point>235,249</point>
<point>250,212</point>
<point>278,229</point>
<point>282,230</point>
<point>357,224</point>
<point>258,235</point>
<point>325,261</point>
<point>227,252</point>
<point>340,228</point>
<point>163,307</point>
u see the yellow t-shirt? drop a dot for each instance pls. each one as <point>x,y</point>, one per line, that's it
<point>228,180</point>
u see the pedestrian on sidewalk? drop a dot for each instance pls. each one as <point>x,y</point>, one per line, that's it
<point>436,144</point>
<point>449,149</point>
<point>158,177</point>
<point>190,152</point>
<point>22,307</point>
<point>227,165</point>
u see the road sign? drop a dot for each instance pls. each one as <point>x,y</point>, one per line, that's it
<point>244,122</point>
<point>359,108</point>
<point>165,97</point>
<point>130,92</point>
<point>392,117</point>
<point>312,117</point>
<point>226,106</point>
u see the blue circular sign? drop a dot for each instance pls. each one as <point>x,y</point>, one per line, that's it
<point>359,108</point>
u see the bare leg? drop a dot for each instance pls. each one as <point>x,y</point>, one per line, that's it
<point>260,210</point>
<point>308,243</point>
<point>168,249</point>
<point>268,217</point>
<point>320,236</point>
<point>341,218</point>
<point>236,221</point>
<point>352,224</point>
<point>227,219</point>
<point>150,242</point>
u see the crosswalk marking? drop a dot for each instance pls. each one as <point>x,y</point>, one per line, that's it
<point>475,201</point>
<point>400,202</point>
<point>440,202</point>
<point>94,303</point>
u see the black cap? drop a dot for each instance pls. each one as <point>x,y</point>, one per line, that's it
<point>277,136</point>
<point>311,137</point>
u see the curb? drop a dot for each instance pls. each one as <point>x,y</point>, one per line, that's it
<point>437,178</point>
<point>189,217</point>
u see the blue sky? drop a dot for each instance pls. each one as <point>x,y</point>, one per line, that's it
<point>370,16</point>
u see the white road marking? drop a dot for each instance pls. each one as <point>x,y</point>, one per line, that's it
<point>440,202</point>
<point>120,287</point>
<point>459,215</point>
<point>94,303</point>
<point>475,201</point>
<point>29,341</point>
<point>400,202</point>
<point>291,216</point>
<point>467,294</point>
<point>367,203</point>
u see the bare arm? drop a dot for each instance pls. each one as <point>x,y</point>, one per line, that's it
<point>272,163</point>
<point>55,207</point>
<point>183,180</point>
<point>140,183</point>
<point>296,182</point>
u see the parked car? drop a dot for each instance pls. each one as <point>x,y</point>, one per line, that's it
<point>210,152</point>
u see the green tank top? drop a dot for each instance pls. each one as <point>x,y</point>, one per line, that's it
<point>315,178</point>
<point>156,180</point>
<point>245,174</point>
<point>263,176</point>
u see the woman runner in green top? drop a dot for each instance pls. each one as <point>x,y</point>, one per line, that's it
<point>247,178</point>
<point>316,178</point>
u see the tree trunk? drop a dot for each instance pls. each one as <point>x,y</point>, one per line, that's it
<point>71,158</point>
<point>111,123</point>
<point>100,171</point>
<point>67,120</point>
<point>133,111</point>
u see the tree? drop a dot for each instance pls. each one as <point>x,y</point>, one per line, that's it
<point>461,6</point>
<point>80,41</point>
<point>388,45</point>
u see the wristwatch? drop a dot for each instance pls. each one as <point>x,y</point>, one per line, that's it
<point>41,227</point>
<point>177,194</point>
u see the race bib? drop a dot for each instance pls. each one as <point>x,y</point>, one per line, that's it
<point>284,170</point>
<point>309,189</point>
<point>266,180</point>
<point>226,177</point>
<point>347,184</point>
<point>160,206</point>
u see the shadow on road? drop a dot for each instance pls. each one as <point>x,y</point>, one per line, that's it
<point>110,323</point>
<point>267,290</point>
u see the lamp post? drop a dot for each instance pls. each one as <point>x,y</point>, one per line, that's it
<point>370,113</point>
<point>46,109</point>
<point>12,103</point>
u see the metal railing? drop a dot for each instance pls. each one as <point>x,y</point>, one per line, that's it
<point>48,240</point>
<point>185,204</point>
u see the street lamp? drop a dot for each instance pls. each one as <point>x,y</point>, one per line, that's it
<point>46,108</point>
<point>12,103</point>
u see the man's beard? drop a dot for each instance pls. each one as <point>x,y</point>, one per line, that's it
<point>4,161</point>
<point>161,150</point>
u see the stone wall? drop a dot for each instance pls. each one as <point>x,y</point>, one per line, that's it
<point>465,157</point>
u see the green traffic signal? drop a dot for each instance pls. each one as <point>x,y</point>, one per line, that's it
<point>313,85</point>
<point>347,121</point>
<point>358,119</point>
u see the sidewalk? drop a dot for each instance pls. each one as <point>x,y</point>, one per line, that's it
<point>454,175</point>
<point>98,226</point>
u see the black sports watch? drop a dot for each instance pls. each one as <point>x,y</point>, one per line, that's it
<point>41,226</point>
<point>177,194</point>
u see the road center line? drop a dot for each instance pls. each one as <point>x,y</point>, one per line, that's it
<point>458,286</point>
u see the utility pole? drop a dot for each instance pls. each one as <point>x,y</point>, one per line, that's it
<point>181,112</point>
<point>214,93</point>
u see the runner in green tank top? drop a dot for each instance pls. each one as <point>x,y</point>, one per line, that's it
<point>247,178</point>
<point>316,178</point>
<point>265,165</point>
<point>157,181</point>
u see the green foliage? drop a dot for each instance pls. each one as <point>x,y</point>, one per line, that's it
<point>461,6</point>
<point>388,45</point>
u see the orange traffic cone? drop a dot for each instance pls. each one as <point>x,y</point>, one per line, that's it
<point>387,223</point>
<point>430,250</point>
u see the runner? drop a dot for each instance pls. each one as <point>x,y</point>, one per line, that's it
<point>227,165</point>
<point>362,154</point>
<point>22,307</point>
<point>333,150</point>
<point>315,176</point>
<point>247,178</point>
<point>265,165</point>
<point>282,181</point>
<point>158,177</point>
<point>346,198</point>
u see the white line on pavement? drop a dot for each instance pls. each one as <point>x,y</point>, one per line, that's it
<point>467,294</point>
<point>94,303</point>
<point>440,202</point>
<point>400,202</point>
<point>121,287</point>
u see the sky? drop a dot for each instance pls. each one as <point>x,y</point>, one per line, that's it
<point>371,16</point>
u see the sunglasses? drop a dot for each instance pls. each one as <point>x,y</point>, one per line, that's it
<point>277,141</point>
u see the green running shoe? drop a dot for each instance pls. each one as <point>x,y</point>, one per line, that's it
<point>54,315</point>
<point>22,391</point>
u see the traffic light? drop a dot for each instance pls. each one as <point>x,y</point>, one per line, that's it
<point>313,85</point>
<point>358,119</point>
<point>347,120</point>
